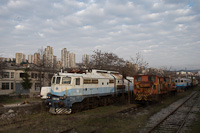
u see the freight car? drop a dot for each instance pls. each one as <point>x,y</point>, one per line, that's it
<point>194,81</point>
<point>71,92</point>
<point>151,87</point>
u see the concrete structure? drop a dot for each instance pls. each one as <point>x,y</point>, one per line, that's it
<point>85,59</point>
<point>10,82</point>
<point>65,58</point>
<point>198,73</point>
<point>48,56</point>
<point>54,61</point>
<point>36,58</point>
<point>72,60</point>
<point>30,58</point>
<point>20,57</point>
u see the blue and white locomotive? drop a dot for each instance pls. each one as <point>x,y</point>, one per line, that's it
<point>70,91</point>
<point>183,83</point>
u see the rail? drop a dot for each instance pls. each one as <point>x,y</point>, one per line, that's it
<point>161,121</point>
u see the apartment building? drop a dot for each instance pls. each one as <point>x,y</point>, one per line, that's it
<point>48,56</point>
<point>72,60</point>
<point>30,58</point>
<point>36,58</point>
<point>85,59</point>
<point>20,57</point>
<point>65,58</point>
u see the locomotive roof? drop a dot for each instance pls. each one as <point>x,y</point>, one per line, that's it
<point>101,75</point>
<point>152,75</point>
<point>146,75</point>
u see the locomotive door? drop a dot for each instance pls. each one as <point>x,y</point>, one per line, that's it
<point>79,85</point>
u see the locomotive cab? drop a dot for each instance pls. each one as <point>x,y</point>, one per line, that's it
<point>145,85</point>
<point>60,84</point>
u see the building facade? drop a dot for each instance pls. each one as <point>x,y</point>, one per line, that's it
<point>72,60</point>
<point>30,58</point>
<point>48,56</point>
<point>10,82</point>
<point>36,58</point>
<point>85,59</point>
<point>65,58</point>
<point>20,57</point>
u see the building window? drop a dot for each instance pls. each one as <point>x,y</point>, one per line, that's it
<point>21,75</point>
<point>35,75</point>
<point>37,86</point>
<point>32,75</point>
<point>5,86</point>
<point>5,74</point>
<point>12,74</point>
<point>12,85</point>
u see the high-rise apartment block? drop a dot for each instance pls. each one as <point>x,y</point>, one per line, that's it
<point>20,58</point>
<point>36,58</point>
<point>54,61</point>
<point>65,58</point>
<point>72,60</point>
<point>85,59</point>
<point>30,58</point>
<point>48,56</point>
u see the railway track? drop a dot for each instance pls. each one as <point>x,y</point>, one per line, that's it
<point>175,120</point>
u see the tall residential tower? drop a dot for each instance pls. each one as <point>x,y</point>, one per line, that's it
<point>65,58</point>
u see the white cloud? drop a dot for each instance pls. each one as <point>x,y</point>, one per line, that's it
<point>181,27</point>
<point>182,11</point>
<point>17,3</point>
<point>41,35</point>
<point>185,19</point>
<point>19,27</point>
<point>153,46</point>
<point>147,51</point>
<point>87,27</point>
<point>153,15</point>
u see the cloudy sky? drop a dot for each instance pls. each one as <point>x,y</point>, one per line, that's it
<point>166,32</point>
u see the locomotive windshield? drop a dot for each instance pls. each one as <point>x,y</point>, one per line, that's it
<point>66,80</point>
<point>137,79</point>
<point>152,78</point>
<point>166,79</point>
<point>58,80</point>
<point>53,80</point>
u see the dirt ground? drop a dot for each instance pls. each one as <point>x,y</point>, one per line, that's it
<point>33,117</point>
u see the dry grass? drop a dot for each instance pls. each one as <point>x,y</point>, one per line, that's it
<point>102,119</point>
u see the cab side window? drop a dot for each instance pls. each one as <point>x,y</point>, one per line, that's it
<point>77,81</point>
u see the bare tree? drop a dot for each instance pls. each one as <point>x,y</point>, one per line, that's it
<point>106,60</point>
<point>137,64</point>
<point>2,67</point>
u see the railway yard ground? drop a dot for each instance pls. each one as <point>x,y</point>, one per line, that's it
<point>33,117</point>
